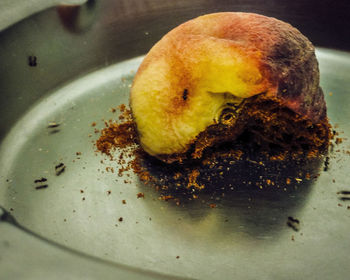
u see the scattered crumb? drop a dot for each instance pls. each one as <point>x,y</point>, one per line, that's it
<point>120,219</point>
<point>192,180</point>
<point>338,140</point>
<point>93,124</point>
<point>124,201</point>
<point>110,169</point>
<point>109,192</point>
<point>292,238</point>
<point>166,197</point>
<point>212,205</point>
<point>81,191</point>
<point>177,257</point>
<point>140,195</point>
<point>122,107</point>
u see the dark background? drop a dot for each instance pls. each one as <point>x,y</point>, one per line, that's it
<point>325,22</point>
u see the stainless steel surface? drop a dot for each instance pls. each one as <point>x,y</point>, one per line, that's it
<point>13,11</point>
<point>24,256</point>
<point>79,76</point>
<point>255,234</point>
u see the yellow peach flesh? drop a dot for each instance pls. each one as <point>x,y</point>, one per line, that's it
<point>212,71</point>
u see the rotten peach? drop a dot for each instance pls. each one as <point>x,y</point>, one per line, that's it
<point>203,72</point>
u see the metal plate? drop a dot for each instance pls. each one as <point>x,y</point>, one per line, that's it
<point>245,237</point>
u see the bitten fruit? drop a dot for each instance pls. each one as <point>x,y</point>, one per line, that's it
<point>208,74</point>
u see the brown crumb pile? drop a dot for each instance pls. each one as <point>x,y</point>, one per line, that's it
<point>118,135</point>
<point>213,166</point>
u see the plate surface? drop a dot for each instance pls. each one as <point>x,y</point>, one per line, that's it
<point>245,236</point>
